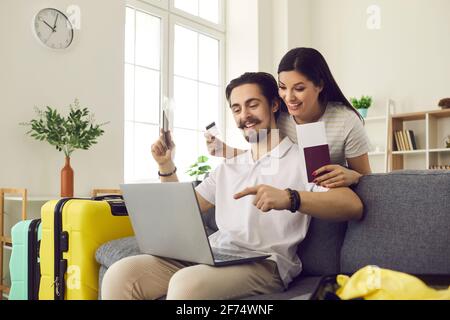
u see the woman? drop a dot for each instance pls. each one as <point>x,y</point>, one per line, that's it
<point>311,94</point>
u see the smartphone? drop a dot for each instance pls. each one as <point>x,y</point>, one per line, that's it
<point>165,127</point>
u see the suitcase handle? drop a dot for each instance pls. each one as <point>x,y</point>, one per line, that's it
<point>118,207</point>
<point>116,203</point>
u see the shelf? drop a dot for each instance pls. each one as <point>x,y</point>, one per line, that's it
<point>440,150</point>
<point>444,113</point>
<point>409,152</point>
<point>409,116</point>
<point>421,151</point>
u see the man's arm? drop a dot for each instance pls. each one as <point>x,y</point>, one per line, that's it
<point>338,204</point>
<point>167,169</point>
<point>163,156</point>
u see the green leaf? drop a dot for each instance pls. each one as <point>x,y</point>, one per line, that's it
<point>202,159</point>
<point>204,168</point>
<point>77,131</point>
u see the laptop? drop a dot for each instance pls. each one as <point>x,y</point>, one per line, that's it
<point>167,222</point>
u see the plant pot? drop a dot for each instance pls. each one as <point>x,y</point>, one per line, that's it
<point>363,112</point>
<point>67,180</point>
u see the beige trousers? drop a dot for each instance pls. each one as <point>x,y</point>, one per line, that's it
<point>146,277</point>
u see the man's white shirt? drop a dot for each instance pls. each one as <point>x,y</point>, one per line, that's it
<point>241,224</point>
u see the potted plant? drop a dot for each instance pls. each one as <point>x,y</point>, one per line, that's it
<point>362,104</point>
<point>198,169</point>
<point>76,131</point>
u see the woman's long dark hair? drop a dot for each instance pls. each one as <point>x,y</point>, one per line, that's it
<point>312,64</point>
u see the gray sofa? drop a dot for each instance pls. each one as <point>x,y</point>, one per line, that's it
<point>406,227</point>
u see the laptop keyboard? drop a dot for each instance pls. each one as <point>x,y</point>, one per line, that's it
<point>225,257</point>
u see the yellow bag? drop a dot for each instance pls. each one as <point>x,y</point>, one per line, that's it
<point>373,283</point>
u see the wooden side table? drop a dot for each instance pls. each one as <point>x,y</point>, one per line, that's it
<point>5,241</point>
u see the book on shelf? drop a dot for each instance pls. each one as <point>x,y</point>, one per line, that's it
<point>407,140</point>
<point>395,146</point>
<point>404,140</point>
<point>413,140</point>
<point>399,140</point>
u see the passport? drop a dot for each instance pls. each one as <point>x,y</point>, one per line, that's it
<point>314,149</point>
<point>316,157</point>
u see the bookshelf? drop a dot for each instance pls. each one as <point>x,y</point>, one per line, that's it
<point>430,129</point>
<point>374,125</point>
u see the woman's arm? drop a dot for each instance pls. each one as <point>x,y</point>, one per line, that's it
<point>339,176</point>
<point>360,164</point>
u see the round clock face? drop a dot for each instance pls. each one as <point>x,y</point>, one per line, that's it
<point>53,28</point>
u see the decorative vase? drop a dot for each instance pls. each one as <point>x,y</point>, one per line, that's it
<point>363,112</point>
<point>67,180</point>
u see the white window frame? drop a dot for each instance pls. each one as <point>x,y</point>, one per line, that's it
<point>164,34</point>
<point>169,15</point>
<point>173,20</point>
<point>163,4</point>
<point>219,26</point>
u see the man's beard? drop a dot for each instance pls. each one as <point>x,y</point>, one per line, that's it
<point>256,136</point>
<point>252,135</point>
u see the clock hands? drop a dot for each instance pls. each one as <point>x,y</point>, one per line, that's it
<point>54,26</point>
<point>53,29</point>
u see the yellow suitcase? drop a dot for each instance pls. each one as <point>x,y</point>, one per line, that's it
<point>72,230</point>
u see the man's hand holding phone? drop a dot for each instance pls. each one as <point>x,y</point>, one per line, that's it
<point>162,152</point>
<point>166,131</point>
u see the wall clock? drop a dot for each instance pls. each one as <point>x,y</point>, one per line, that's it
<point>53,29</point>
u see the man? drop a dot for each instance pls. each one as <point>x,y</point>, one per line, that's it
<point>256,209</point>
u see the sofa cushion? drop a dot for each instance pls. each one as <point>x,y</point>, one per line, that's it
<point>301,288</point>
<point>406,223</point>
<point>116,250</point>
<point>320,251</point>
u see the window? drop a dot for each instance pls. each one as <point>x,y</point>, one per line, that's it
<point>208,10</point>
<point>171,53</point>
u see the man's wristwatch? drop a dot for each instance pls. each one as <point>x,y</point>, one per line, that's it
<point>295,199</point>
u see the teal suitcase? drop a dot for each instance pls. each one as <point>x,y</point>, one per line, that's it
<point>24,263</point>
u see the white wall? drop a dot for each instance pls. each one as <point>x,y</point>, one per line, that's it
<point>243,52</point>
<point>31,75</point>
<point>259,33</point>
<point>407,59</point>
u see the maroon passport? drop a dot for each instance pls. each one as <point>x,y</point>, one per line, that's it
<point>315,158</point>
